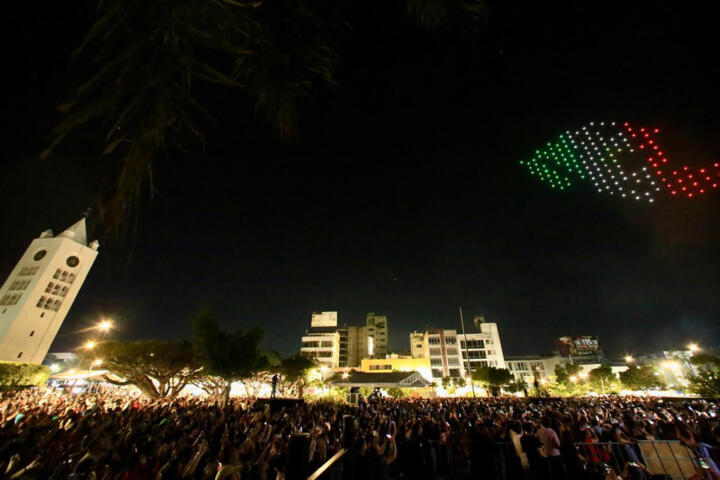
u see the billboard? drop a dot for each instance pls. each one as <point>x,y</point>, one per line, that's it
<point>582,345</point>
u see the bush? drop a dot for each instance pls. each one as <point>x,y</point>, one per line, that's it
<point>22,374</point>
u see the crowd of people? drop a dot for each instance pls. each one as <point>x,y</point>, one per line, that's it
<point>113,434</point>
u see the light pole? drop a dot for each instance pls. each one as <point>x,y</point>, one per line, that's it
<point>629,359</point>
<point>462,322</point>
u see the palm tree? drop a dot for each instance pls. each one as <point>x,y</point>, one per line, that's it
<point>145,62</point>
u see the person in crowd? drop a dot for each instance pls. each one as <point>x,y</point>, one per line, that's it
<point>115,434</point>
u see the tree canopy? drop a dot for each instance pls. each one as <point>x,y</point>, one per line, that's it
<point>22,374</point>
<point>492,377</point>
<point>640,377</point>
<point>158,368</point>
<point>149,70</point>
<point>295,370</point>
<point>226,356</point>
<point>706,382</point>
<point>563,372</point>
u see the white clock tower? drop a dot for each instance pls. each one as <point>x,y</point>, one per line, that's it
<point>37,295</point>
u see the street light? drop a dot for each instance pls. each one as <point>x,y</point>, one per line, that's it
<point>583,375</point>
<point>97,362</point>
<point>629,359</point>
<point>89,345</point>
<point>573,379</point>
<point>54,367</point>
<point>693,347</point>
<point>105,325</point>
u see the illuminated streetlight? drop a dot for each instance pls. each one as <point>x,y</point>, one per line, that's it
<point>345,375</point>
<point>97,362</point>
<point>629,359</point>
<point>105,325</point>
<point>693,347</point>
<point>573,379</point>
<point>89,345</point>
<point>54,367</point>
<point>583,375</point>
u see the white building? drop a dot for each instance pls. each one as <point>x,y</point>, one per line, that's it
<point>40,290</point>
<point>321,341</point>
<point>446,349</point>
<point>377,332</point>
<point>542,367</point>
<point>528,368</point>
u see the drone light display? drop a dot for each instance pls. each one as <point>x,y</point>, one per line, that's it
<point>620,160</point>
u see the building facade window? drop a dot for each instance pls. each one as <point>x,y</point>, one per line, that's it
<point>436,362</point>
<point>434,340</point>
<point>434,352</point>
<point>450,340</point>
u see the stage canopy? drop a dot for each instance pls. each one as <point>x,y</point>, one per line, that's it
<point>380,379</point>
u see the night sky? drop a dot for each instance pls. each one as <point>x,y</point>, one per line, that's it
<point>404,194</point>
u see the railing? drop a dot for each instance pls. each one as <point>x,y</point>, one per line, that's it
<point>333,469</point>
<point>500,462</point>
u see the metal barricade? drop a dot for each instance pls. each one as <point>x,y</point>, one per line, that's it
<point>598,455</point>
<point>668,457</point>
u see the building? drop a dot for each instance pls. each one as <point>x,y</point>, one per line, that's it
<point>321,341</point>
<point>448,351</point>
<point>397,363</point>
<point>353,345</point>
<point>528,368</point>
<point>38,293</point>
<point>344,346</point>
<point>377,333</point>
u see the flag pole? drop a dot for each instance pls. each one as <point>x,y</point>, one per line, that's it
<point>462,322</point>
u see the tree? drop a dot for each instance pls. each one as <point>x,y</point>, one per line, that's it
<point>16,375</point>
<point>295,371</point>
<point>225,357</point>
<point>158,368</point>
<point>706,382</point>
<point>446,382</point>
<point>517,386</point>
<point>147,63</point>
<point>493,377</point>
<point>563,372</point>
<point>640,377</point>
